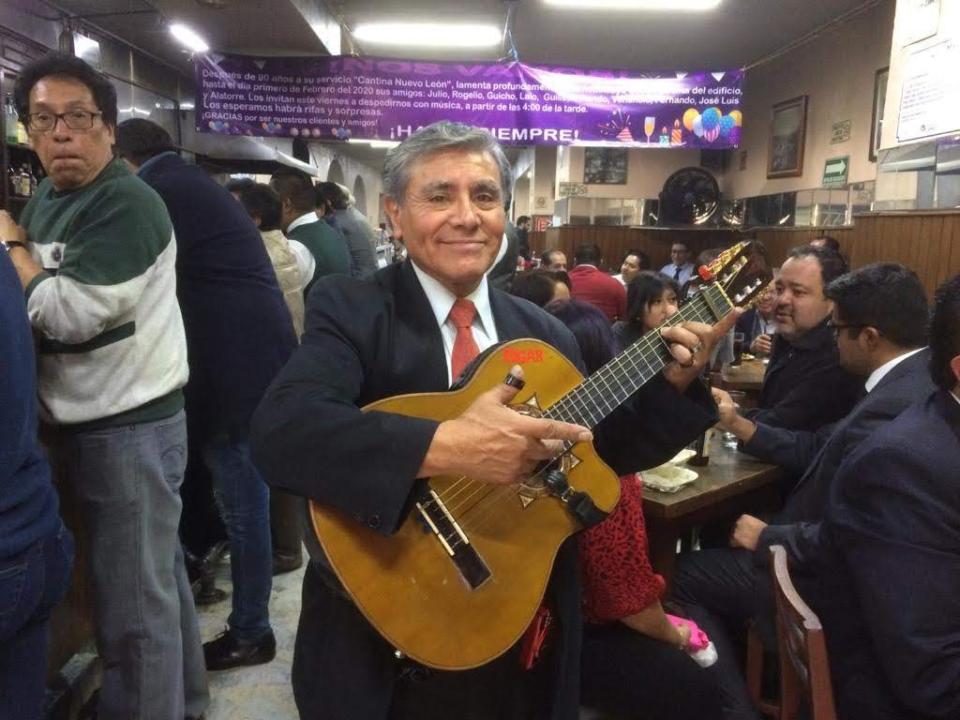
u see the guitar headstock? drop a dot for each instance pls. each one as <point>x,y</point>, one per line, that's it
<point>737,274</point>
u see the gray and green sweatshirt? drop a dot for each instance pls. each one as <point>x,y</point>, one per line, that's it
<point>112,347</point>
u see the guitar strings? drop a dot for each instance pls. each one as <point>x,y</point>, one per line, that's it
<point>498,494</point>
<point>463,483</point>
<point>587,388</point>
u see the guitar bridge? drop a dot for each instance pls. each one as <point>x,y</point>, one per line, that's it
<point>454,540</point>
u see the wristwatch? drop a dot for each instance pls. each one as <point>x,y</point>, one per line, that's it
<point>8,245</point>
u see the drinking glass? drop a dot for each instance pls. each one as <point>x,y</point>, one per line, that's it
<point>729,439</point>
<point>738,338</point>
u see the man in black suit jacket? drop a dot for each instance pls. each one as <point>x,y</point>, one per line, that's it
<point>887,584</point>
<point>878,321</point>
<point>805,387</point>
<point>239,335</point>
<point>391,334</point>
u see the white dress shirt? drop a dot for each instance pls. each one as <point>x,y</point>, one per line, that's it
<point>878,374</point>
<point>441,301</point>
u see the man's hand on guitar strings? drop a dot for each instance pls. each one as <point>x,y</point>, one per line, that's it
<point>491,443</point>
<point>691,344</point>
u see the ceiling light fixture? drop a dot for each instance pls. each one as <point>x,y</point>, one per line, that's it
<point>189,38</point>
<point>665,5</point>
<point>375,143</point>
<point>429,34</point>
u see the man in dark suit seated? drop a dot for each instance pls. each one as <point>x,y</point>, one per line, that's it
<point>805,387</point>
<point>411,328</point>
<point>887,585</point>
<point>878,318</point>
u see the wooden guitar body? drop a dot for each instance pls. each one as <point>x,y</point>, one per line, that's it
<point>455,611</point>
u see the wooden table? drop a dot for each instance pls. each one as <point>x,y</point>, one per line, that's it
<point>731,483</point>
<point>747,376</point>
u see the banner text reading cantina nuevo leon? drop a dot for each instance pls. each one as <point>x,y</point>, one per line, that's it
<point>338,98</point>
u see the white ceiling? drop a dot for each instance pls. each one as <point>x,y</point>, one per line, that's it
<point>737,34</point>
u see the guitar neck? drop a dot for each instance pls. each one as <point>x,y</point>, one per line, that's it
<point>613,384</point>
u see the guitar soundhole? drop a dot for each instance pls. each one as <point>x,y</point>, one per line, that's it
<point>535,486</point>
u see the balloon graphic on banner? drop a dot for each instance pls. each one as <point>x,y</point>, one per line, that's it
<point>737,117</point>
<point>727,123</point>
<point>689,117</point>
<point>733,138</point>
<point>710,119</point>
<point>698,126</point>
<point>712,134</point>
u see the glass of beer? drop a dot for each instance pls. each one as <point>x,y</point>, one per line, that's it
<point>738,338</point>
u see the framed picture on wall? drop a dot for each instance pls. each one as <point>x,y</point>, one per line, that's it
<point>879,100</point>
<point>788,129</point>
<point>605,166</point>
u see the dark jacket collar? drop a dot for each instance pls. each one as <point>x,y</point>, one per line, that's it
<point>159,164</point>
<point>814,338</point>
<point>917,362</point>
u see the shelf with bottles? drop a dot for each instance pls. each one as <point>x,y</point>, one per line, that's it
<point>23,178</point>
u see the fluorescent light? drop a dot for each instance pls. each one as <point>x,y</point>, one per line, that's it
<point>374,143</point>
<point>188,38</point>
<point>672,5</point>
<point>429,34</point>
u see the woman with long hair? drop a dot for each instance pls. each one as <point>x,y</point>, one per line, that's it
<point>651,299</point>
<point>634,661</point>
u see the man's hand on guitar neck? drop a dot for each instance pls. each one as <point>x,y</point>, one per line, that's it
<point>691,344</point>
<point>491,443</point>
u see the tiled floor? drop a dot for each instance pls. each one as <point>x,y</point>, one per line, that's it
<point>262,692</point>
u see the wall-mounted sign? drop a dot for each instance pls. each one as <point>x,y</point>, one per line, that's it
<point>841,132</point>
<point>341,98</point>
<point>835,171</point>
<point>930,103</point>
<point>569,189</point>
<point>921,19</point>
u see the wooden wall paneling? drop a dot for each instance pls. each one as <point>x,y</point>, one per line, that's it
<point>931,242</point>
<point>927,242</point>
<point>952,264</point>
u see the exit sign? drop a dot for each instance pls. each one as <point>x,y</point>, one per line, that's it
<point>835,171</point>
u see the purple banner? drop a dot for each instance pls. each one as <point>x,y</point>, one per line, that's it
<point>339,98</point>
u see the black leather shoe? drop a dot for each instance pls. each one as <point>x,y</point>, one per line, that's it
<point>286,562</point>
<point>226,651</point>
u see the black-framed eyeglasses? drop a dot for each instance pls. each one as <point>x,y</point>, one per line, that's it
<point>73,119</point>
<point>837,327</point>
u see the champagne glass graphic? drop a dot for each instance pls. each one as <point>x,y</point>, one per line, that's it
<point>649,125</point>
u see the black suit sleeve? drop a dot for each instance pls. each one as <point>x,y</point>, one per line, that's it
<point>792,450</point>
<point>896,540</point>
<point>653,425</point>
<point>308,434</point>
<point>800,540</point>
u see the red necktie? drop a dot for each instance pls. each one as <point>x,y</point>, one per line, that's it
<point>464,346</point>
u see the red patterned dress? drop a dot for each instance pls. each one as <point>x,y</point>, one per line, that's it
<point>618,580</point>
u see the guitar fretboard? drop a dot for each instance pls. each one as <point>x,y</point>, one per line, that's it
<point>610,386</point>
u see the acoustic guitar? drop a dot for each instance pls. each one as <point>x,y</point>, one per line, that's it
<point>459,582</point>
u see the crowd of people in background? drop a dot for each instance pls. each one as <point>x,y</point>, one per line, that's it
<point>238,331</point>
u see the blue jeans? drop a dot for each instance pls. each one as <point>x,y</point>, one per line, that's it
<point>31,584</point>
<point>127,481</point>
<point>243,498</point>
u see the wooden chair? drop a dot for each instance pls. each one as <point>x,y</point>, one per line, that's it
<point>804,668</point>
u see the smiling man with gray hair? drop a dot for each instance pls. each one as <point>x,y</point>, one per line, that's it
<point>413,328</point>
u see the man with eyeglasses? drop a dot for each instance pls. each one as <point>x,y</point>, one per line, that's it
<point>879,319</point>
<point>95,253</point>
